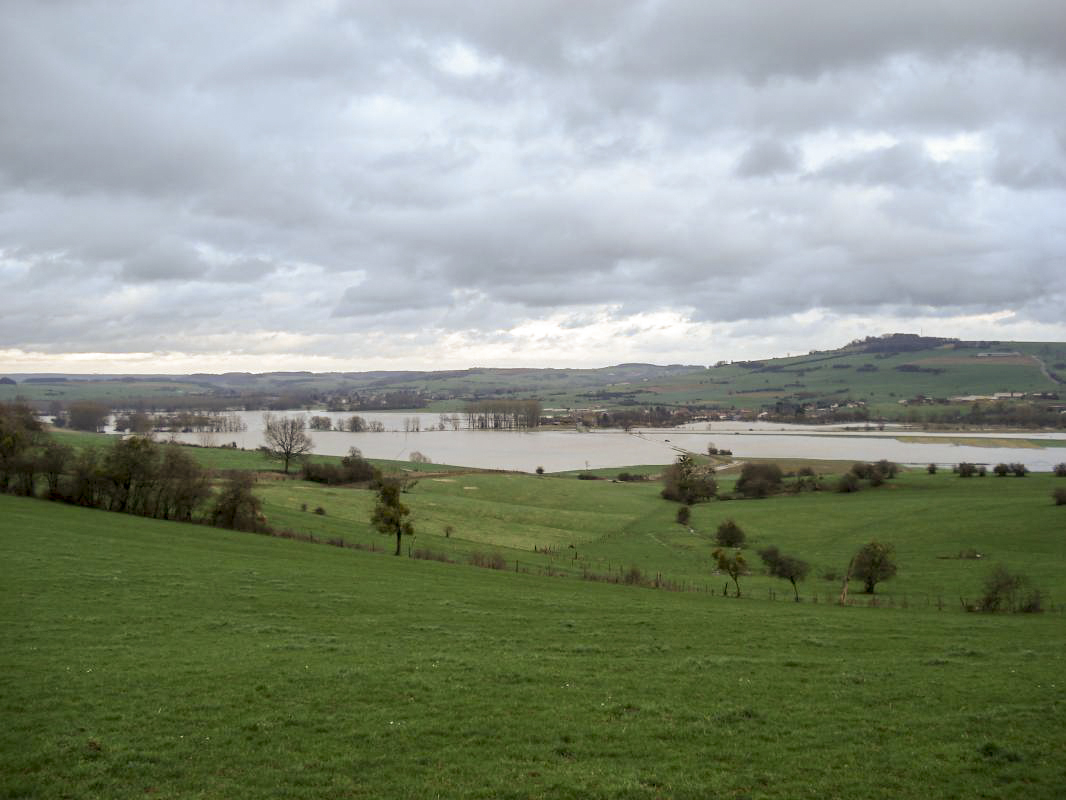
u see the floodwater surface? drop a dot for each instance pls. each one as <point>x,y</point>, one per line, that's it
<point>557,450</point>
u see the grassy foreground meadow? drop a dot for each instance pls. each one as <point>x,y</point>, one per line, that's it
<point>146,658</point>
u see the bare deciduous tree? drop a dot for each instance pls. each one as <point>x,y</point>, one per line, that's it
<point>286,438</point>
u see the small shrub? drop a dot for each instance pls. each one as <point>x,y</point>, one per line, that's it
<point>540,470</point>
<point>320,511</point>
<point>488,560</point>
<point>993,752</point>
<point>684,514</point>
<point>759,480</point>
<point>849,482</point>
<point>588,476</point>
<point>426,554</point>
<point>889,469</point>
<point>874,563</point>
<point>729,534</point>
<point>860,469</point>
<point>1001,470</point>
<point>1059,496</point>
<point>1019,470</point>
<point>237,508</point>
<point>1003,590</point>
<point>931,469</point>
<point>1060,470</point>
<point>1032,602</point>
<point>966,470</point>
<point>633,577</point>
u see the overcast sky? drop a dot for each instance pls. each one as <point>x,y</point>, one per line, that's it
<point>401,184</point>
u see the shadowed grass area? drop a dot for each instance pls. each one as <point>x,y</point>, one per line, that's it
<point>146,658</point>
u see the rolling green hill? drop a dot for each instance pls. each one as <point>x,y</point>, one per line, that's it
<point>144,658</point>
<point>882,377</point>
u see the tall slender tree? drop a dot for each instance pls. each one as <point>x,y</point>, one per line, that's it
<point>390,513</point>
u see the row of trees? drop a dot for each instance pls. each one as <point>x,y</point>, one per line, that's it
<point>872,564</point>
<point>496,415</point>
<point>352,424</point>
<point>132,475</point>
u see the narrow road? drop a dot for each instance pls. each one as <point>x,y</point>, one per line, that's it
<point>1047,373</point>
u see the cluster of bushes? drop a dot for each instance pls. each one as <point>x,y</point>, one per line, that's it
<point>488,560</point>
<point>132,476</point>
<point>353,424</point>
<point>352,469</point>
<point>967,470</point>
<point>1003,470</point>
<point>874,474</point>
<point>632,477</point>
<point>759,480</point>
<point>1006,591</point>
<point>1060,470</point>
<point>687,482</point>
<point>729,534</point>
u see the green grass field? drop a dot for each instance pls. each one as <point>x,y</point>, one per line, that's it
<point>145,658</point>
<point>604,527</point>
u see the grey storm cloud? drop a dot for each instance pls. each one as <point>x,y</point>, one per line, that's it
<point>240,177</point>
<point>768,157</point>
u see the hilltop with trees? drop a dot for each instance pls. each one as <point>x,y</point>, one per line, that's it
<point>896,377</point>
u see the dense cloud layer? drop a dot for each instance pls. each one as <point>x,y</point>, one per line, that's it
<point>345,185</point>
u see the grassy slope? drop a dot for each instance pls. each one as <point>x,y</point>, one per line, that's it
<point>143,657</point>
<point>222,458</point>
<point>837,378</point>
<point>117,393</point>
<point>613,526</point>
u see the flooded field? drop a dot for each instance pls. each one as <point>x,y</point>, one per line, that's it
<point>567,449</point>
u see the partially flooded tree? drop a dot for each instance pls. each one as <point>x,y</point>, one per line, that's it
<point>85,415</point>
<point>390,514</point>
<point>286,438</point>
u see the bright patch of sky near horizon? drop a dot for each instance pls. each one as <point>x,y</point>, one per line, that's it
<point>403,184</point>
